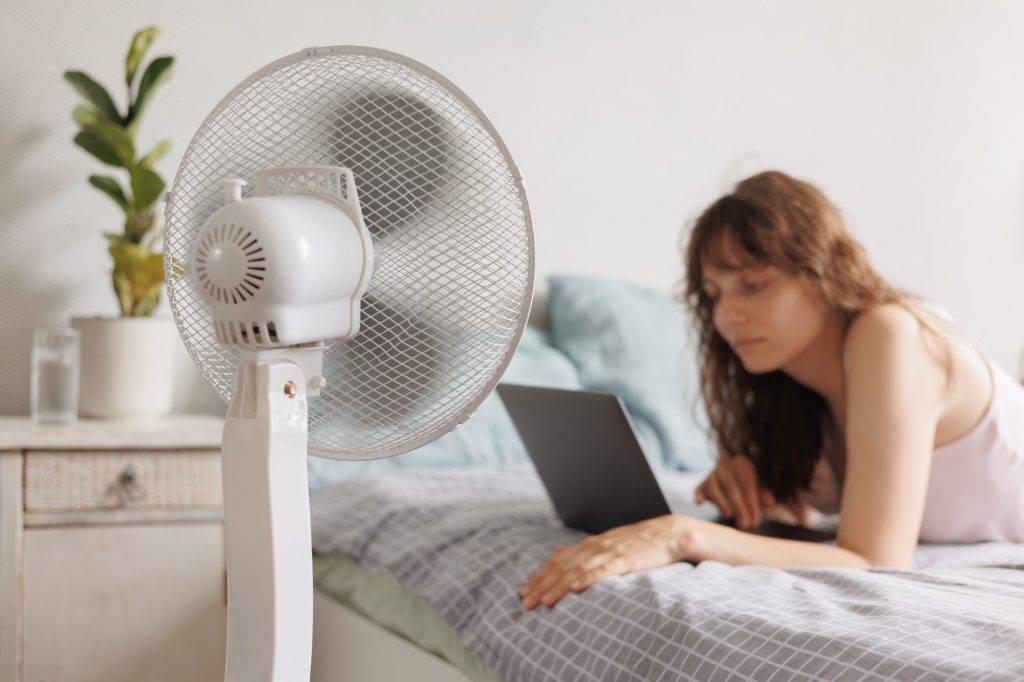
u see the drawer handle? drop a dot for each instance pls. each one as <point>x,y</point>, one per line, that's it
<point>129,488</point>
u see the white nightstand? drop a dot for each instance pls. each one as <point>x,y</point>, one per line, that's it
<point>111,551</point>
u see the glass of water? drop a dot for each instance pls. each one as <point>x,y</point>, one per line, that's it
<point>55,362</point>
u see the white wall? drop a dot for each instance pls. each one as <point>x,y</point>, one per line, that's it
<point>626,118</point>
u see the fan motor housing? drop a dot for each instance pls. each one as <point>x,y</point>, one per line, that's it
<point>283,270</point>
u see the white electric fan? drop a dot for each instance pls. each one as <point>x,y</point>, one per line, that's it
<point>349,260</point>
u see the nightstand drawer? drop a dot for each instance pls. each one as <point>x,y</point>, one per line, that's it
<point>136,479</point>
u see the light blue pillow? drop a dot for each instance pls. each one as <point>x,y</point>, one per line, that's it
<point>488,438</point>
<point>637,343</point>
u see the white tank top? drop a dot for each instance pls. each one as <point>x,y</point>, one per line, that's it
<point>976,483</point>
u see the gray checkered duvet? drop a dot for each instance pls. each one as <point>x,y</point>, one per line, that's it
<point>467,540</point>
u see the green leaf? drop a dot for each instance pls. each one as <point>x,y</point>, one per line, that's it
<point>111,188</point>
<point>156,153</point>
<point>136,51</point>
<point>158,71</point>
<point>85,115</point>
<point>146,306</point>
<point>97,146</point>
<point>123,291</point>
<point>95,93</point>
<point>136,224</point>
<point>146,187</point>
<point>107,142</point>
<point>141,272</point>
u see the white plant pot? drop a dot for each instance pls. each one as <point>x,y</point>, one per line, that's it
<point>127,366</point>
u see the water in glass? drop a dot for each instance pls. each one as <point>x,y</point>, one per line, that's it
<point>55,361</point>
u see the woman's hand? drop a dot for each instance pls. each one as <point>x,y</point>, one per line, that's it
<point>733,487</point>
<point>625,549</point>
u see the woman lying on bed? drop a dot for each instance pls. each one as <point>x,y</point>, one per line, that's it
<point>820,378</point>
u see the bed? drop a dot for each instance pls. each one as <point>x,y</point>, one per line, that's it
<point>418,559</point>
<point>435,557</point>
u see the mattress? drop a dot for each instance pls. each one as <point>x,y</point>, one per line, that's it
<point>458,545</point>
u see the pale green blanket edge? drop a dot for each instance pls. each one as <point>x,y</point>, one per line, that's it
<point>377,595</point>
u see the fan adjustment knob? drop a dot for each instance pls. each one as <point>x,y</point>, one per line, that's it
<point>291,389</point>
<point>317,383</point>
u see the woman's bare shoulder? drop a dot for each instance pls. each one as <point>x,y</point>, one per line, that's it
<point>884,327</point>
<point>932,349</point>
<point>889,349</point>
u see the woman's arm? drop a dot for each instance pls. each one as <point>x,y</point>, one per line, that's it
<point>894,389</point>
<point>895,385</point>
<point>715,542</point>
<point>665,540</point>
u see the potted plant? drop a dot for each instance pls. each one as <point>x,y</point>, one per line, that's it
<point>127,368</point>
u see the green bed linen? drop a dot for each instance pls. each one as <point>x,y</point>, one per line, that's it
<point>378,596</point>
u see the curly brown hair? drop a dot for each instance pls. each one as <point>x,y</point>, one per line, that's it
<point>774,219</point>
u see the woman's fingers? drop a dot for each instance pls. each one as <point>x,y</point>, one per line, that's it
<point>698,493</point>
<point>560,588</point>
<point>734,488</point>
<point>559,570</point>
<point>573,569</point>
<point>543,581</point>
<point>736,496</point>
<point>718,496</point>
<point>548,572</point>
<point>611,566</point>
<point>628,548</point>
<point>534,579</point>
<point>801,510</point>
<point>747,478</point>
<point>795,512</point>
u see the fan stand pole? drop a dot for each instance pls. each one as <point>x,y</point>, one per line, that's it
<point>267,525</point>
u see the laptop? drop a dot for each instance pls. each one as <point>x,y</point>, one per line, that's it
<point>584,447</point>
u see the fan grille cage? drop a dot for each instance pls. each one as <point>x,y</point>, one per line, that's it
<point>445,206</point>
